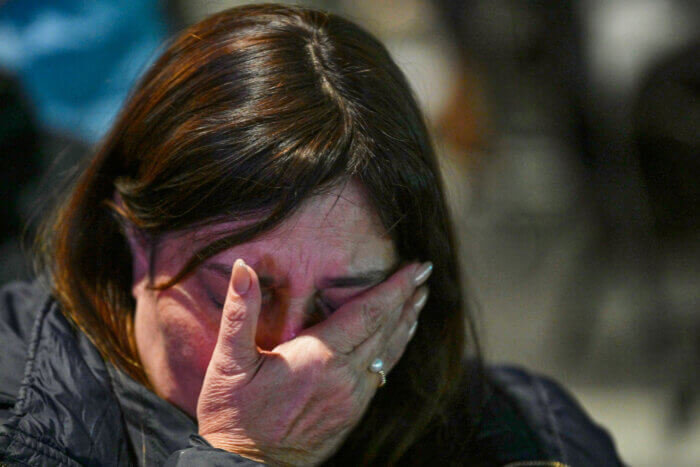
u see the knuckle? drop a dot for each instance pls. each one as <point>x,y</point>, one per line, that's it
<point>345,340</point>
<point>234,313</point>
<point>397,294</point>
<point>234,368</point>
<point>370,316</point>
<point>407,286</point>
<point>339,370</point>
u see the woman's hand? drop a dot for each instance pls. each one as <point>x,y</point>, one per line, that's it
<point>297,403</point>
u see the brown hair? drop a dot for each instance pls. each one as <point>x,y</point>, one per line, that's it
<point>254,110</point>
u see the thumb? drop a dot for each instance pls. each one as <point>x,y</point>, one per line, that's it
<point>235,347</point>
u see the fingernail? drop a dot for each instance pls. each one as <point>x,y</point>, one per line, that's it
<point>241,277</point>
<point>422,273</point>
<point>422,298</point>
<point>412,331</point>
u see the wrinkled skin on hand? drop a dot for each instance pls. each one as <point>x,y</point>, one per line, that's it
<point>296,404</point>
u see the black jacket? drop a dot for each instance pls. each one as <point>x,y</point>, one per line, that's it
<point>61,404</point>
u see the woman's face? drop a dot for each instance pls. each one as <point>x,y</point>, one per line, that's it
<point>332,249</point>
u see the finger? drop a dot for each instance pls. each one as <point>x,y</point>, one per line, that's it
<point>390,346</point>
<point>235,349</point>
<point>360,318</point>
<point>404,331</point>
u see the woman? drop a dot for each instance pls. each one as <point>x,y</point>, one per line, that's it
<point>243,263</point>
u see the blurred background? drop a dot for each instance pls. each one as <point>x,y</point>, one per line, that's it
<point>570,144</point>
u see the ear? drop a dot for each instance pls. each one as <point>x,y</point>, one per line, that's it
<point>141,250</point>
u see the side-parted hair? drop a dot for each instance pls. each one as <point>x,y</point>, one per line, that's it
<point>252,111</point>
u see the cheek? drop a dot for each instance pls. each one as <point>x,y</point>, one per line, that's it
<point>189,336</point>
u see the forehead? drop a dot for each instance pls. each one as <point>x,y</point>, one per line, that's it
<point>338,226</point>
<point>343,211</point>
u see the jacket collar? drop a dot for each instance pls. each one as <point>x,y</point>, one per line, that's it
<point>155,427</point>
<point>78,406</point>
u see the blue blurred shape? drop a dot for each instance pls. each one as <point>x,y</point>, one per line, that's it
<point>78,59</point>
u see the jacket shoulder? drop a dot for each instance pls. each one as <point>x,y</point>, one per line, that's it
<point>20,304</point>
<point>564,431</point>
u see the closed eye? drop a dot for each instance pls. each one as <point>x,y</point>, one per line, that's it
<point>341,288</point>
<point>217,303</point>
<point>326,308</point>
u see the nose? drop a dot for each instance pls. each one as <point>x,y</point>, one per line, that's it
<point>282,318</point>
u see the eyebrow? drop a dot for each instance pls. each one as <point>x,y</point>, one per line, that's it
<point>363,279</point>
